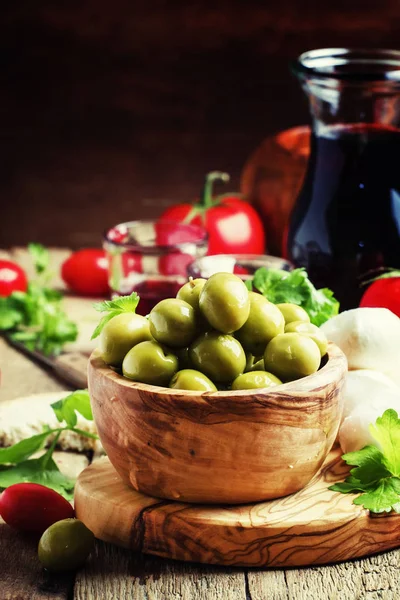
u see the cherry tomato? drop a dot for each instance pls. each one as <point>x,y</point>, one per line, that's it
<point>86,272</point>
<point>233,225</point>
<point>12,278</point>
<point>383,293</point>
<point>33,507</point>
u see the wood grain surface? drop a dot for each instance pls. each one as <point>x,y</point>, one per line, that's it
<point>114,573</point>
<point>218,447</point>
<point>310,527</point>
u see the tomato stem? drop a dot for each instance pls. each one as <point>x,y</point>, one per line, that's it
<point>207,195</point>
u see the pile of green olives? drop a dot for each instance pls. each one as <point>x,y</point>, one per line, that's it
<point>215,335</point>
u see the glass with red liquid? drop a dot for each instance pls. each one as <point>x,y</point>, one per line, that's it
<point>151,258</point>
<point>346,221</point>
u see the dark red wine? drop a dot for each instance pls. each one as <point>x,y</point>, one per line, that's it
<point>346,221</point>
<point>152,291</point>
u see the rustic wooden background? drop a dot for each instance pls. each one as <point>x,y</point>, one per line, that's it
<point>113,110</point>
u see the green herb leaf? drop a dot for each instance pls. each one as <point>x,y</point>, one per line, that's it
<point>121,304</point>
<point>67,408</point>
<point>370,464</point>
<point>40,257</point>
<point>33,471</point>
<point>377,469</point>
<point>9,316</point>
<point>386,432</point>
<point>103,321</point>
<point>24,449</point>
<point>249,284</point>
<point>385,497</point>
<point>44,470</point>
<point>349,486</point>
<point>35,318</point>
<point>115,307</point>
<point>294,287</point>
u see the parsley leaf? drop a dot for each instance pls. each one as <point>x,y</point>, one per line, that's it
<point>16,466</point>
<point>385,497</point>
<point>67,408</point>
<point>377,469</point>
<point>40,257</point>
<point>295,287</point>
<point>24,449</point>
<point>114,307</point>
<point>9,316</point>
<point>35,471</point>
<point>386,432</point>
<point>35,318</point>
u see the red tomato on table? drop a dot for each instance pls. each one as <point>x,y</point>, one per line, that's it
<point>12,278</point>
<point>86,272</point>
<point>384,293</point>
<point>233,225</point>
<point>33,507</point>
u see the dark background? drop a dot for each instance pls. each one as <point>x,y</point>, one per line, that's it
<point>112,110</point>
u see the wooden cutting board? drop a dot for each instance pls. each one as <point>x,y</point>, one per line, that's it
<point>313,526</point>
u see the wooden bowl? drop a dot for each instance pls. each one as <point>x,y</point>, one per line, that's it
<point>218,447</point>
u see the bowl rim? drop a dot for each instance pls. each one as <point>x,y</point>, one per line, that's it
<point>335,366</point>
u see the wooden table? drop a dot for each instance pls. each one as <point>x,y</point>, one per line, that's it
<point>115,574</point>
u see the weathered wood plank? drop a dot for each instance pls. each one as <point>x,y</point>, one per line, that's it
<point>21,575</point>
<point>21,377</point>
<point>116,574</point>
<point>368,579</point>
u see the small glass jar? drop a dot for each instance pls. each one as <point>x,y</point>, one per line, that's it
<point>151,258</point>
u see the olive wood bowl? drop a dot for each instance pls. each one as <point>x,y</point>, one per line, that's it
<point>218,447</point>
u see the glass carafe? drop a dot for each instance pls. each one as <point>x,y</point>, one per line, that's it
<point>346,220</point>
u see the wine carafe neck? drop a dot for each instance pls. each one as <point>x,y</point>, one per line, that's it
<point>351,86</point>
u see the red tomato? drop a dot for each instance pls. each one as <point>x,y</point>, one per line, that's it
<point>86,272</point>
<point>12,278</point>
<point>233,225</point>
<point>383,293</point>
<point>33,507</point>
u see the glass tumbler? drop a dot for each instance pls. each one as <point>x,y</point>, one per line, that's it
<point>151,258</point>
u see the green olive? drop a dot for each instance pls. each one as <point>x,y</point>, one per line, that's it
<point>293,312</point>
<point>291,356</point>
<point>65,545</point>
<point>311,331</point>
<point>254,380</point>
<point>173,322</point>
<point>218,355</point>
<point>189,379</point>
<point>120,334</point>
<point>224,301</point>
<point>190,292</point>
<point>265,321</point>
<point>149,362</point>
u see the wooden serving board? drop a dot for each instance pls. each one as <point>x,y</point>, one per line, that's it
<point>313,526</point>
